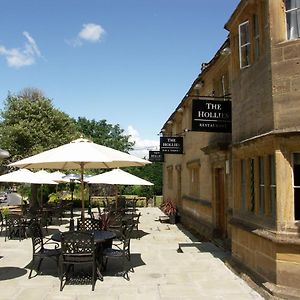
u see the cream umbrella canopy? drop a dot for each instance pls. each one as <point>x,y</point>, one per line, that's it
<point>25,176</point>
<point>80,154</point>
<point>118,176</point>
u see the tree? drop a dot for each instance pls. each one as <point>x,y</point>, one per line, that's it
<point>103,133</point>
<point>152,173</point>
<point>30,124</point>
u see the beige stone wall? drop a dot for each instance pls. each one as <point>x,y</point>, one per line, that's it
<point>197,211</point>
<point>251,88</point>
<point>254,252</point>
<point>285,64</point>
<point>275,262</point>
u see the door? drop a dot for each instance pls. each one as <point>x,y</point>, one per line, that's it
<point>220,202</point>
<point>178,192</point>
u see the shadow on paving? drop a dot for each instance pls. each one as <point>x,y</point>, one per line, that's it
<point>48,268</point>
<point>7,273</point>
<point>115,266</point>
<point>138,234</point>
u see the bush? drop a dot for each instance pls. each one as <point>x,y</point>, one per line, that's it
<point>5,211</point>
<point>53,198</point>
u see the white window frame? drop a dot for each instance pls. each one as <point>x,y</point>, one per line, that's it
<point>272,187</point>
<point>245,45</point>
<point>261,184</point>
<point>289,11</point>
<point>243,184</point>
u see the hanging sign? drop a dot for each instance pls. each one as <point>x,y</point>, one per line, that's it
<point>171,144</point>
<point>156,156</point>
<point>211,115</point>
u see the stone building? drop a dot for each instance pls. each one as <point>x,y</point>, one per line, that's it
<point>192,179</point>
<point>245,186</point>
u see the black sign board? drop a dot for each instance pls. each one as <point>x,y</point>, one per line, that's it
<point>211,115</point>
<point>171,144</point>
<point>156,156</point>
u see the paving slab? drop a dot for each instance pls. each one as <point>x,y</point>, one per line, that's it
<point>160,271</point>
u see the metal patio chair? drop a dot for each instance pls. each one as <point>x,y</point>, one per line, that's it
<point>78,248</point>
<point>120,251</point>
<point>40,251</point>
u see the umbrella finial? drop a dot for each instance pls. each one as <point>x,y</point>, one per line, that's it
<point>82,140</point>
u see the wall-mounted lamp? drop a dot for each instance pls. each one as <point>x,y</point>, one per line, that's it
<point>180,109</point>
<point>226,51</point>
<point>199,84</point>
<point>170,122</point>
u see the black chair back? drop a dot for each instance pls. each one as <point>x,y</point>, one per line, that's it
<point>88,224</point>
<point>39,252</point>
<point>77,247</point>
<point>15,226</point>
<point>36,233</point>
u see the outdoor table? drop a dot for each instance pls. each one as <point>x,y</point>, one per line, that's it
<point>128,217</point>
<point>100,236</point>
<point>103,239</point>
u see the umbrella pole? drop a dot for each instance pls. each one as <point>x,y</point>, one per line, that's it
<point>82,191</point>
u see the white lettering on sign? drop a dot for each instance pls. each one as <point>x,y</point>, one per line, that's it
<point>213,106</point>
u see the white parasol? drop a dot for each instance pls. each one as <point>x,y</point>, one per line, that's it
<point>118,176</point>
<point>80,154</point>
<point>25,176</point>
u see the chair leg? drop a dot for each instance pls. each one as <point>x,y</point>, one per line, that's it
<point>61,275</point>
<point>105,263</point>
<point>93,276</point>
<point>32,265</point>
<point>39,265</point>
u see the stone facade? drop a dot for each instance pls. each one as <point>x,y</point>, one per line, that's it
<point>247,182</point>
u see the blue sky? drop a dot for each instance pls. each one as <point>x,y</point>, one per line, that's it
<point>129,62</point>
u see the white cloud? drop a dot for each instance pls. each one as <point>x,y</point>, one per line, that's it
<point>142,146</point>
<point>25,56</point>
<point>90,32</point>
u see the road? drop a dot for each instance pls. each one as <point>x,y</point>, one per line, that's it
<point>12,199</point>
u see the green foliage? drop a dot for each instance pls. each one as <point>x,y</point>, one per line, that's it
<point>24,190</point>
<point>5,211</point>
<point>159,200</point>
<point>103,133</point>
<point>30,124</point>
<point>53,197</point>
<point>152,173</point>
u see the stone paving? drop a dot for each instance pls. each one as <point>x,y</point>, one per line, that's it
<point>162,270</point>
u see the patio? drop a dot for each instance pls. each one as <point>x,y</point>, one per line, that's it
<point>160,270</point>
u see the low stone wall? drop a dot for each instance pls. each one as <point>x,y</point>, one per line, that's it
<point>276,260</point>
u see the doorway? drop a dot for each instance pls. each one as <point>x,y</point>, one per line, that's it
<point>220,203</point>
<point>178,192</point>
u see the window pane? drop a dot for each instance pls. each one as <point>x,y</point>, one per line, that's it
<point>243,184</point>
<point>272,185</point>
<point>252,190</point>
<point>244,44</point>
<point>298,21</point>
<point>290,4</point>
<point>261,185</point>
<point>245,53</point>
<point>244,34</point>
<point>293,19</point>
